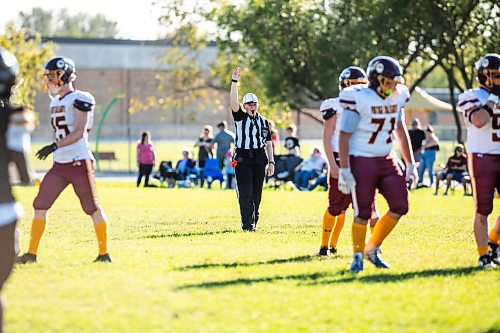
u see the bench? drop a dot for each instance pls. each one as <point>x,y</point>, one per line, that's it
<point>105,156</point>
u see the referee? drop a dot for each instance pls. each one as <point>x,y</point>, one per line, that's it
<point>254,151</point>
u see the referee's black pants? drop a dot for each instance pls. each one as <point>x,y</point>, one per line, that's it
<point>250,173</point>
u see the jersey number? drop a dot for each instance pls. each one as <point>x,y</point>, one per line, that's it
<point>58,126</point>
<point>380,122</point>
<point>496,126</point>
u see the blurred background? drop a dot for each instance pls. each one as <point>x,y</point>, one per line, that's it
<point>164,66</point>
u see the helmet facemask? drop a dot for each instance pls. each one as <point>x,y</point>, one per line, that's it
<point>388,85</point>
<point>492,77</point>
<point>351,82</point>
<point>52,81</point>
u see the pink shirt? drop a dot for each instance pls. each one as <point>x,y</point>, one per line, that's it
<point>145,153</point>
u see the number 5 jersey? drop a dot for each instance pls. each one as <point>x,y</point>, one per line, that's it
<point>63,121</point>
<point>484,140</point>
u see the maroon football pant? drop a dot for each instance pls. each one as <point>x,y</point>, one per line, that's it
<point>484,170</point>
<point>80,174</point>
<point>382,173</point>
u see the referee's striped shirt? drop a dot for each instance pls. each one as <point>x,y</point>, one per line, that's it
<point>251,133</point>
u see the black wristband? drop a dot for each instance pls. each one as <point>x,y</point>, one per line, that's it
<point>271,162</point>
<point>235,81</point>
<point>488,109</point>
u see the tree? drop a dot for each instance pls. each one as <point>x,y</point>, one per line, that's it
<point>62,24</point>
<point>31,55</point>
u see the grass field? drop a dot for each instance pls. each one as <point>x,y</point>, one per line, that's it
<point>171,150</point>
<point>181,264</point>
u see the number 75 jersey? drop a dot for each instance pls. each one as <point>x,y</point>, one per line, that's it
<point>484,140</point>
<point>378,117</point>
<point>63,121</point>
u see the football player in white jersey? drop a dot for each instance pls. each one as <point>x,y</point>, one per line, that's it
<point>371,116</point>
<point>481,108</point>
<point>334,216</point>
<point>71,117</point>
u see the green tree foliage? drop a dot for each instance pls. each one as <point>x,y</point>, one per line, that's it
<point>31,55</point>
<point>63,24</point>
<point>296,49</point>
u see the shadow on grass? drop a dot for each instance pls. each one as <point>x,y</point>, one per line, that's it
<point>250,281</point>
<point>338,277</point>
<point>190,234</point>
<point>246,264</point>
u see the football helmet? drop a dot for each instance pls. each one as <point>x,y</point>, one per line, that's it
<point>488,71</point>
<point>58,71</point>
<point>9,70</point>
<point>384,73</point>
<point>352,75</point>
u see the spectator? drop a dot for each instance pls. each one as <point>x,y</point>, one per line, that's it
<point>417,136</point>
<point>229,169</point>
<point>428,156</point>
<point>455,168</point>
<point>309,169</point>
<point>322,180</point>
<point>292,144</point>
<point>19,142</point>
<point>185,167</point>
<point>205,149</point>
<point>275,135</point>
<point>223,139</point>
<point>145,159</point>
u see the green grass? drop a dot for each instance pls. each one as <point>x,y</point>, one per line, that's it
<point>171,150</point>
<point>181,264</point>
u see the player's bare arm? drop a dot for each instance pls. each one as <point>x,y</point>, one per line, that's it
<point>233,95</point>
<point>328,129</point>
<point>344,149</point>
<point>404,142</point>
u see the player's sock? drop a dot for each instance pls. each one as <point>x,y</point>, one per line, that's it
<point>358,237</point>
<point>328,222</point>
<point>336,231</point>
<point>482,250</point>
<point>102,237</point>
<point>383,228</point>
<point>493,236</point>
<point>37,229</point>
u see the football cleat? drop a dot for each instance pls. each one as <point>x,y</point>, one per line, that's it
<point>494,252</point>
<point>332,250</point>
<point>25,258</point>
<point>323,251</point>
<point>357,263</point>
<point>103,258</point>
<point>375,258</point>
<point>485,261</point>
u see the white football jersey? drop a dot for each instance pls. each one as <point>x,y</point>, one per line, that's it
<point>378,118</point>
<point>63,121</point>
<point>484,140</point>
<point>332,107</point>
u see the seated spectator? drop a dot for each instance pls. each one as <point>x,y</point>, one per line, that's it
<point>455,169</point>
<point>292,144</point>
<point>309,169</point>
<point>229,170</point>
<point>185,167</point>
<point>166,173</point>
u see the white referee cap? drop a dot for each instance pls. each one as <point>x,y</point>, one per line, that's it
<point>327,104</point>
<point>249,98</point>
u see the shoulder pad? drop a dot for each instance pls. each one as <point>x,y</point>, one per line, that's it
<point>85,106</point>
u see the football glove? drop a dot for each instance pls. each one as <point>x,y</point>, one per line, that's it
<point>346,180</point>
<point>46,151</point>
<point>412,175</point>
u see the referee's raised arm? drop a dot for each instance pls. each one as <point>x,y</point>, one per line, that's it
<point>233,95</point>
